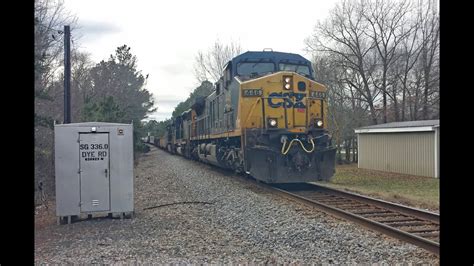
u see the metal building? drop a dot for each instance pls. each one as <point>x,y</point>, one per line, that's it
<point>403,147</point>
<point>94,169</point>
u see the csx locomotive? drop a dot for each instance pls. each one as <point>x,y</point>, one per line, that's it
<point>267,116</point>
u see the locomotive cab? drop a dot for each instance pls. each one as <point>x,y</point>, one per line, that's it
<point>282,114</point>
<point>266,116</point>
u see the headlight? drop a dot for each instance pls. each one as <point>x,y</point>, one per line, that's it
<point>319,123</point>
<point>287,82</point>
<point>272,122</point>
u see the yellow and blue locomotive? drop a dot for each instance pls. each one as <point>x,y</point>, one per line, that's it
<point>266,117</point>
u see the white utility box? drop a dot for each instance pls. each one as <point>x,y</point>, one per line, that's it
<point>94,169</point>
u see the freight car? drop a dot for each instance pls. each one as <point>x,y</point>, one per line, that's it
<point>267,116</point>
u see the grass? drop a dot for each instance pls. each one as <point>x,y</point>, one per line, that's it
<point>416,191</point>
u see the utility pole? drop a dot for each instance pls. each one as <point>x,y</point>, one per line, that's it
<point>67,75</point>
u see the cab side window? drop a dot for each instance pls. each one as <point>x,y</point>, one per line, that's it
<point>227,76</point>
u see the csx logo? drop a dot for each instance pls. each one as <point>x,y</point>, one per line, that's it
<point>287,99</point>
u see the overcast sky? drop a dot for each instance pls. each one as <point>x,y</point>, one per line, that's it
<point>166,35</point>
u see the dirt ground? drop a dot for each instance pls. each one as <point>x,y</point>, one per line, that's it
<point>416,191</point>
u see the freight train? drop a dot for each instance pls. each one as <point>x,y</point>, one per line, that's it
<point>267,117</point>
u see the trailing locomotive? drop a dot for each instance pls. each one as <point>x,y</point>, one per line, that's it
<point>267,116</point>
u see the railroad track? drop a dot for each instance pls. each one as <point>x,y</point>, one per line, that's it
<point>412,225</point>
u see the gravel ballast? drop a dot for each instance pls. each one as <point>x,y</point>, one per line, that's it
<point>189,212</point>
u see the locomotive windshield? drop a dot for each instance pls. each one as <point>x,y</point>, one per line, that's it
<point>254,68</point>
<point>300,69</point>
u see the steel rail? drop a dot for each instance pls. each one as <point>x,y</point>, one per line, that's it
<point>424,243</point>
<point>422,214</point>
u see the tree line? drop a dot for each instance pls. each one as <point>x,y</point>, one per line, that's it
<point>112,90</point>
<point>380,61</point>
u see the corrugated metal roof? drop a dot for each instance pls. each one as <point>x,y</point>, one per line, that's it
<point>419,123</point>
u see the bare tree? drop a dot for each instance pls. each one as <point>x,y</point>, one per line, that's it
<point>50,18</point>
<point>388,52</point>
<point>419,75</point>
<point>81,82</point>
<point>380,62</point>
<point>344,36</point>
<point>346,108</point>
<point>210,65</point>
<point>409,54</point>
<point>388,29</point>
<point>429,60</point>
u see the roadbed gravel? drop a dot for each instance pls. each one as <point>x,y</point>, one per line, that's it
<point>187,212</point>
